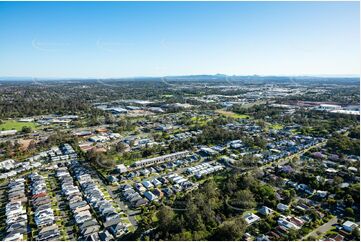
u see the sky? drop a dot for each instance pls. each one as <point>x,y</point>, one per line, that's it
<point>129,39</point>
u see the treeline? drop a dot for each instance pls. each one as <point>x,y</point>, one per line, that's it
<point>203,218</point>
<point>312,122</point>
<point>208,212</point>
<point>258,111</point>
<point>48,97</point>
<point>345,144</point>
<point>344,95</point>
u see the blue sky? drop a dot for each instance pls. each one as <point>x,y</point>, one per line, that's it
<point>122,39</point>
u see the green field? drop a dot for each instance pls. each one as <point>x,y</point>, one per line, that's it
<point>276,126</point>
<point>232,114</point>
<point>202,121</point>
<point>13,124</point>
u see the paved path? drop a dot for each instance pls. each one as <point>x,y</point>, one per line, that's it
<point>322,229</point>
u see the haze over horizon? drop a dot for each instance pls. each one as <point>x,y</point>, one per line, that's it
<point>29,78</point>
<point>143,39</point>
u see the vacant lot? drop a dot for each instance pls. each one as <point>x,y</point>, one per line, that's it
<point>12,124</point>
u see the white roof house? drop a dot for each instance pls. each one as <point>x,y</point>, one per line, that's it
<point>349,226</point>
<point>282,207</point>
<point>121,168</point>
<point>251,218</point>
<point>288,224</point>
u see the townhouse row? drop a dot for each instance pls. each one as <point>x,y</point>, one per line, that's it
<point>15,211</point>
<point>108,216</point>
<point>42,207</point>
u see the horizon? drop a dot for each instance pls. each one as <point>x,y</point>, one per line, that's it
<point>70,40</point>
<point>24,78</point>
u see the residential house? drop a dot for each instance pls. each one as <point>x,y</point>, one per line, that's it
<point>264,210</point>
<point>349,226</point>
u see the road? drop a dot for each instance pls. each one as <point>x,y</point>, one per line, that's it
<point>285,160</point>
<point>322,229</point>
<point>130,213</point>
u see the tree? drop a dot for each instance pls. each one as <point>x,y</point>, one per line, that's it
<point>355,132</point>
<point>344,144</point>
<point>264,226</point>
<point>292,234</point>
<point>349,212</point>
<point>337,180</point>
<point>245,199</point>
<point>109,118</point>
<point>331,202</point>
<point>26,129</point>
<point>356,234</point>
<point>260,142</point>
<point>246,181</point>
<point>348,200</point>
<point>99,159</point>
<point>165,217</point>
<point>264,193</point>
<point>184,236</point>
<point>120,147</point>
<point>200,235</point>
<point>231,229</point>
<point>231,184</point>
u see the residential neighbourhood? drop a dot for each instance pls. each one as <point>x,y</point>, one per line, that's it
<point>284,170</point>
<point>180,121</point>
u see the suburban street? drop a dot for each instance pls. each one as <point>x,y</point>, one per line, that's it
<point>322,229</point>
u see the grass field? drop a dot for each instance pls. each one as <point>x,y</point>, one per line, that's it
<point>202,121</point>
<point>13,124</point>
<point>232,114</point>
<point>276,126</point>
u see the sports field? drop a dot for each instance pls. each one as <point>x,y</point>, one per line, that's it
<point>13,124</point>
